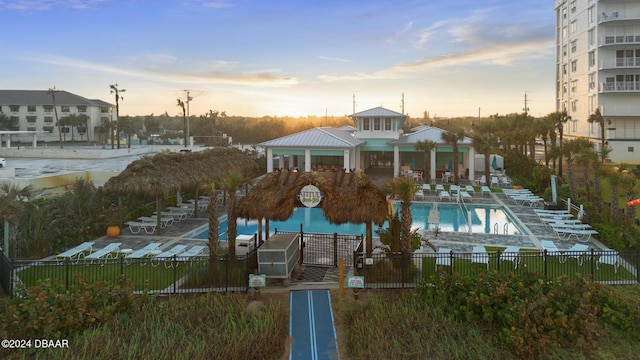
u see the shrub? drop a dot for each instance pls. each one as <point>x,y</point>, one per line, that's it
<point>529,314</point>
<point>47,310</point>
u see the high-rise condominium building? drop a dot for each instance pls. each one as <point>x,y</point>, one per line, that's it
<point>598,67</point>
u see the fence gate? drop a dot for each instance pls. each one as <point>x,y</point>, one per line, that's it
<point>328,249</point>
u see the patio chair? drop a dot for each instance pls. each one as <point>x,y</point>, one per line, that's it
<point>505,181</point>
<point>192,252</point>
<point>479,255</point>
<point>104,253</point>
<point>551,250</point>
<point>136,226</point>
<point>444,195</point>
<point>578,252</point>
<point>470,189</point>
<point>140,253</point>
<point>465,196</point>
<point>167,256</point>
<point>77,252</point>
<point>443,258</point>
<point>608,257</point>
<point>482,180</point>
<point>511,253</point>
<point>495,182</point>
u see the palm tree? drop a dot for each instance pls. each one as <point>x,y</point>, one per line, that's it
<point>546,129</point>
<point>572,150</point>
<point>597,117</point>
<point>233,182</point>
<point>453,138</point>
<point>615,179</point>
<point>628,183</point>
<point>12,207</point>
<point>560,118</point>
<point>52,91</point>
<point>117,92</point>
<point>184,120</point>
<point>484,141</point>
<point>405,189</point>
<point>427,146</point>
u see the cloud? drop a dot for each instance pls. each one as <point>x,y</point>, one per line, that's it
<point>220,72</point>
<point>333,58</point>
<point>43,5</point>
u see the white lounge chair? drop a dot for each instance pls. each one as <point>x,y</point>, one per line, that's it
<point>454,189</point>
<point>77,252</point>
<point>443,257</point>
<point>485,190</point>
<point>511,253</point>
<point>582,235</point>
<point>465,196</point>
<point>140,253</point>
<point>505,181</point>
<point>470,189</point>
<point>164,221</point>
<point>136,226</point>
<point>608,257</point>
<point>578,252</point>
<point>426,187</point>
<point>168,255</point>
<point>419,195</point>
<point>495,182</point>
<point>176,215</point>
<point>439,187</point>
<point>551,249</point>
<point>479,255</point>
<point>104,253</point>
<point>193,251</point>
<point>444,195</point>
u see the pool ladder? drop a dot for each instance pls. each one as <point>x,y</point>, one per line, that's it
<point>505,228</point>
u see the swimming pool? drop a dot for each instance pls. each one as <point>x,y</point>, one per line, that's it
<point>485,219</point>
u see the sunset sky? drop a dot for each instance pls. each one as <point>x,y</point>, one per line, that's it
<point>286,58</point>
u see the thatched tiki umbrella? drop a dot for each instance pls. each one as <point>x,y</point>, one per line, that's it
<point>347,197</point>
<point>164,173</point>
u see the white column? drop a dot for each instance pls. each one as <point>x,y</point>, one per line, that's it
<point>34,142</point>
<point>432,174</point>
<point>292,160</point>
<point>472,163</point>
<point>346,161</point>
<point>396,161</point>
<point>269,160</point>
<point>8,141</point>
<point>281,163</point>
<point>307,160</point>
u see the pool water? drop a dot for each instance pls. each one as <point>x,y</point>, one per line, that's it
<point>484,220</point>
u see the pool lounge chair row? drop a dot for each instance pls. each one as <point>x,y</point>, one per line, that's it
<point>579,252</point>
<point>109,250</point>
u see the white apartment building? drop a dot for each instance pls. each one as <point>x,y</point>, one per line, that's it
<point>598,66</point>
<point>33,111</point>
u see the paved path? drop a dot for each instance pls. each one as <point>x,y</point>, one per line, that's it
<point>311,326</point>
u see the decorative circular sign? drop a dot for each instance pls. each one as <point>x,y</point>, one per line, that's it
<point>310,196</point>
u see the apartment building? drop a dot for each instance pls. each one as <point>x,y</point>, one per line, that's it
<point>32,110</point>
<point>598,67</point>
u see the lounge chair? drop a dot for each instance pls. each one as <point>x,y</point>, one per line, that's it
<point>505,181</point>
<point>482,180</point>
<point>608,257</point>
<point>551,250</point>
<point>578,252</point>
<point>104,253</point>
<point>495,182</point>
<point>439,187</point>
<point>176,215</point>
<point>189,210</point>
<point>164,221</point>
<point>479,255</point>
<point>465,196</point>
<point>167,256</point>
<point>511,253</point>
<point>470,189</point>
<point>193,251</point>
<point>445,195</point>
<point>140,253</point>
<point>582,235</point>
<point>419,194</point>
<point>136,226</point>
<point>426,187</point>
<point>454,189</point>
<point>76,252</point>
<point>485,190</point>
<point>443,257</point>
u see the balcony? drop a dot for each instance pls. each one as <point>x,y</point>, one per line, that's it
<point>621,39</point>
<point>622,86</point>
<point>619,63</point>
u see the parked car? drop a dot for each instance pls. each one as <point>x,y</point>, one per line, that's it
<point>3,163</point>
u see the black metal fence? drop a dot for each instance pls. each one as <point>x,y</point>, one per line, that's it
<point>407,271</point>
<point>168,276</point>
<point>326,249</point>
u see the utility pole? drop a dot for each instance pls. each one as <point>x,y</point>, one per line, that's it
<point>526,104</point>
<point>354,103</point>
<point>189,98</point>
<point>402,103</point>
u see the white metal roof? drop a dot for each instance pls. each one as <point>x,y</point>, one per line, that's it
<point>424,132</point>
<point>324,137</point>
<point>378,111</point>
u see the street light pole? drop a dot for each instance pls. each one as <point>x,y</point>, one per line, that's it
<point>189,98</point>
